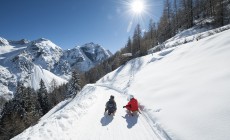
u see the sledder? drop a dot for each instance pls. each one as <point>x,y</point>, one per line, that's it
<point>132,106</point>
<point>111,106</point>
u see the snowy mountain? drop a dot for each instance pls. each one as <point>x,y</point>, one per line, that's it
<point>183,92</point>
<point>44,53</point>
<point>29,61</point>
<point>81,58</point>
<point>3,42</point>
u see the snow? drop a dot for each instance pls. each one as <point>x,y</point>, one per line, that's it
<point>6,81</point>
<point>38,74</point>
<point>66,125</point>
<point>81,58</point>
<point>16,64</point>
<point>193,34</point>
<point>45,53</point>
<point>3,42</point>
<point>183,93</point>
<point>30,61</point>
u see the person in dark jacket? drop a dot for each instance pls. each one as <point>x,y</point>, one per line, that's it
<point>132,105</point>
<point>111,106</point>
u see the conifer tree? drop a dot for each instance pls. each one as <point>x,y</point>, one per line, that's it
<point>74,84</point>
<point>137,40</point>
<point>32,112</point>
<point>43,97</point>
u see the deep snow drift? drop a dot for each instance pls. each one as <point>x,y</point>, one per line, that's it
<point>183,93</point>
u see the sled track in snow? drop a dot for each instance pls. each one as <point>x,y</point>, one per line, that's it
<point>156,128</point>
<point>160,132</point>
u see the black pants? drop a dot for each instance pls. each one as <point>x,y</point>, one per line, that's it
<point>110,111</point>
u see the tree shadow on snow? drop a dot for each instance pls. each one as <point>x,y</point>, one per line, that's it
<point>106,119</point>
<point>131,120</point>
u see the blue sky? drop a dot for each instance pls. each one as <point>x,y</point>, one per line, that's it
<point>69,23</point>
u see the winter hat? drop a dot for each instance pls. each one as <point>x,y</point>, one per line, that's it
<point>111,97</point>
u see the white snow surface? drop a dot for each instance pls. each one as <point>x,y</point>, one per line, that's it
<point>183,94</point>
<point>6,80</point>
<point>47,76</point>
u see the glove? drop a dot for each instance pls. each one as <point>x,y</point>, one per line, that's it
<point>123,106</point>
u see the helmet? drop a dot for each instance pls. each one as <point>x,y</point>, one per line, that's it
<point>130,97</point>
<point>111,97</point>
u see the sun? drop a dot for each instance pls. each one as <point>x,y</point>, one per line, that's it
<point>137,6</point>
<point>137,10</point>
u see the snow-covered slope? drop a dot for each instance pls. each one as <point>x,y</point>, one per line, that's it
<point>183,93</point>
<point>31,61</point>
<point>193,34</point>
<point>7,82</point>
<point>27,62</point>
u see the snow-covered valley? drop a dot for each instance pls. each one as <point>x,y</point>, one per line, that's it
<point>183,93</point>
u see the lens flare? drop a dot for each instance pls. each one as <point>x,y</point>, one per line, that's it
<point>137,10</point>
<point>137,6</point>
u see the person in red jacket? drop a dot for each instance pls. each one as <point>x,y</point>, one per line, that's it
<point>132,105</point>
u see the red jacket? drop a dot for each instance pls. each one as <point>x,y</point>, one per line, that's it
<point>132,105</point>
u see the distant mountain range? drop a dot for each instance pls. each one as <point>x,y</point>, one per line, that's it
<point>30,61</point>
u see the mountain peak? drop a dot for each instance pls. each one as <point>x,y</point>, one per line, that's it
<point>3,41</point>
<point>19,42</point>
<point>43,39</point>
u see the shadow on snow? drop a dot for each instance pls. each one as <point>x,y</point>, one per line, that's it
<point>106,119</point>
<point>131,120</point>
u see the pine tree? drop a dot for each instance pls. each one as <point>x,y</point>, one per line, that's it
<point>219,15</point>
<point>175,13</point>
<point>19,92</point>
<point>32,112</point>
<point>74,84</point>
<point>129,45</point>
<point>43,98</point>
<point>152,33</point>
<point>12,119</point>
<point>137,41</point>
<point>2,102</point>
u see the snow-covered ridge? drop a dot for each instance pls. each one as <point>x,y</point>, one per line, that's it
<point>45,53</point>
<point>183,93</point>
<point>95,52</point>
<point>31,61</point>
<point>81,58</point>
<point>3,42</point>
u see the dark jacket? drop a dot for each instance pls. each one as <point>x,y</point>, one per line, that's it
<point>111,105</point>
